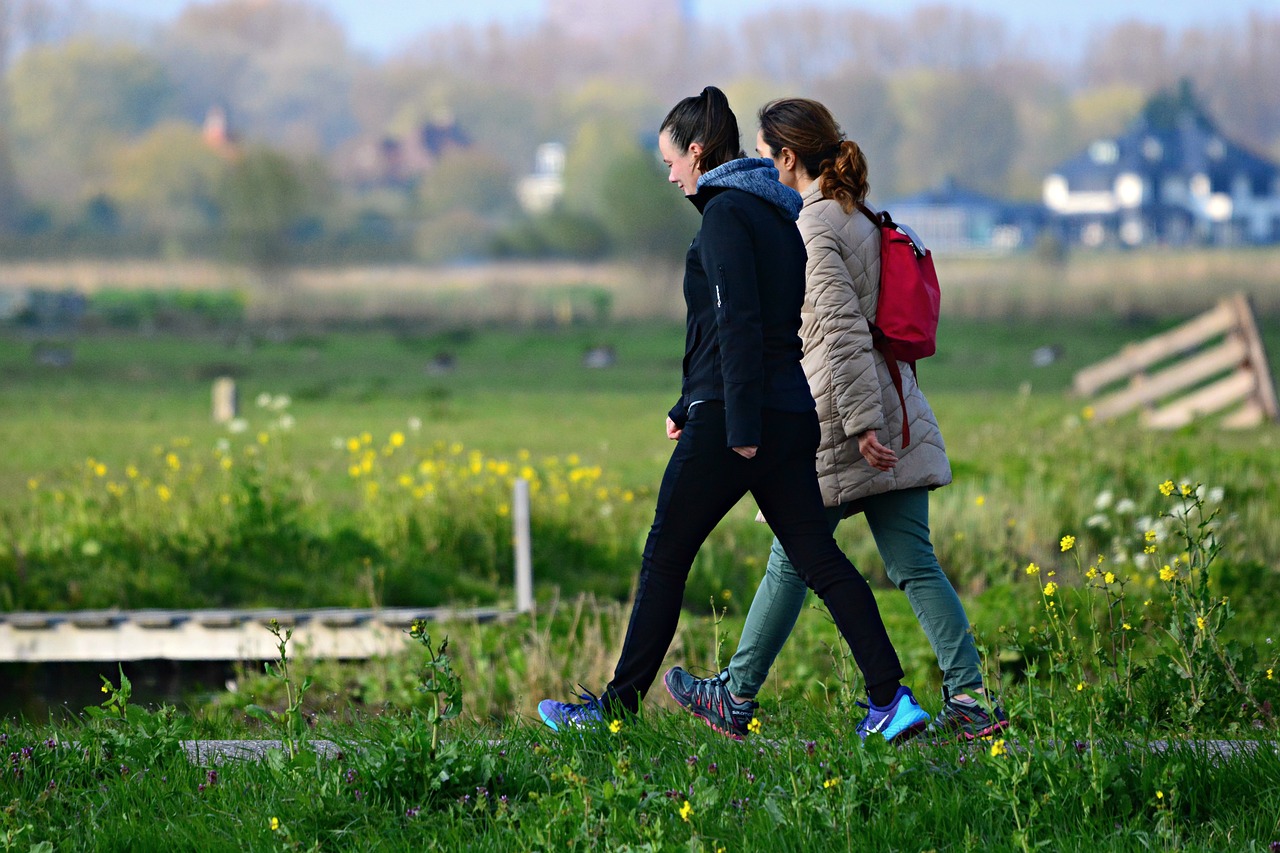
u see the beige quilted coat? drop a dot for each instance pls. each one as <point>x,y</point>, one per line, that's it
<point>848,377</point>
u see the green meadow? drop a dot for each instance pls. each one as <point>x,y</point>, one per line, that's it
<point>1121,583</point>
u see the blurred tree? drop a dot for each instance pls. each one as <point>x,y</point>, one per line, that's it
<point>647,217</point>
<point>469,179</point>
<point>168,182</point>
<point>281,69</point>
<point>262,196</point>
<point>954,126</point>
<point>861,102</point>
<point>72,104</point>
<point>596,145</point>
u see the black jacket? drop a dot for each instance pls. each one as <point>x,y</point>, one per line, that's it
<point>743,288</point>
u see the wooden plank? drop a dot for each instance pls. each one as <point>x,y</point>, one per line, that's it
<point>1136,357</point>
<point>1265,394</point>
<point>1246,417</point>
<point>1208,400</point>
<point>1231,353</point>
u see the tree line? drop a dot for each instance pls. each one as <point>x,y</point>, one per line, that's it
<point>110,141</point>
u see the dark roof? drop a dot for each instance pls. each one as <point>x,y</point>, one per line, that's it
<point>1173,136</point>
<point>948,194</point>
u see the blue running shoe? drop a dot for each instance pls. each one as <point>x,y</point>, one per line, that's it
<point>901,720</point>
<point>572,715</point>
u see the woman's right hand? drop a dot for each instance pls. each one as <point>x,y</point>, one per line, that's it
<point>673,431</point>
<point>877,455</point>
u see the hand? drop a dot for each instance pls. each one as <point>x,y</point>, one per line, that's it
<point>877,455</point>
<point>746,452</point>
<point>673,431</point>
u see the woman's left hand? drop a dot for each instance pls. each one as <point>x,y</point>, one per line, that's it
<point>877,455</point>
<point>746,452</point>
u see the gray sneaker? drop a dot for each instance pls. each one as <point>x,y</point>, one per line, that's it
<point>709,698</point>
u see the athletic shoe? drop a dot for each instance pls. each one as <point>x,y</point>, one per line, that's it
<point>572,715</point>
<point>901,719</point>
<point>709,698</point>
<point>968,720</point>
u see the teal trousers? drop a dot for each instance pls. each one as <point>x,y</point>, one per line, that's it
<point>899,522</point>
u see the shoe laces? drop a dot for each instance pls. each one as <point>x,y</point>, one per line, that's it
<point>705,692</point>
<point>591,703</point>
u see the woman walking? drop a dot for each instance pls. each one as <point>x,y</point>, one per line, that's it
<point>857,405</point>
<point>744,423</point>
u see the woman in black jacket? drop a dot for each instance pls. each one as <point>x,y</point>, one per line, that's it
<point>745,422</point>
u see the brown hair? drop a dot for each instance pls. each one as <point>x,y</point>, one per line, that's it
<point>808,128</point>
<point>707,120</point>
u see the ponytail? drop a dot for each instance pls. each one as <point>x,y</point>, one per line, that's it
<point>707,120</point>
<point>808,128</point>
<point>844,176</point>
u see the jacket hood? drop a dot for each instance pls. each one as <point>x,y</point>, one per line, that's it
<point>754,175</point>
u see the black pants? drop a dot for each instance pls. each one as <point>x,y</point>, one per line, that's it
<point>703,480</point>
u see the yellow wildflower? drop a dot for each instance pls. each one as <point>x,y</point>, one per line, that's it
<point>1159,795</point>
<point>1068,542</point>
<point>1087,413</point>
<point>1167,574</point>
<point>1186,490</point>
<point>1269,673</point>
<point>1166,488</point>
<point>1127,626</point>
<point>832,782</point>
<point>162,492</point>
<point>366,438</point>
<point>1033,569</point>
<point>1150,536</point>
<point>1109,577</point>
<point>1050,588</point>
<point>397,439</point>
<point>1092,573</point>
<point>263,437</point>
<point>275,824</point>
<point>997,748</point>
<point>131,472</point>
<point>754,726</point>
<point>686,811</point>
<point>1200,623</point>
<point>980,500</point>
<point>615,726</point>
<point>1149,549</point>
<point>1079,686</point>
<point>33,484</point>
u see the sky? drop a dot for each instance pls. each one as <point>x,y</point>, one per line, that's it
<point>380,27</point>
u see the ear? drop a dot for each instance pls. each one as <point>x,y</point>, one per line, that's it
<point>695,148</point>
<point>787,159</point>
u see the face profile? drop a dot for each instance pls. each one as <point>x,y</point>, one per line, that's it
<point>682,166</point>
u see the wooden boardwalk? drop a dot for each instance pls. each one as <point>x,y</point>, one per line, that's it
<point>213,635</point>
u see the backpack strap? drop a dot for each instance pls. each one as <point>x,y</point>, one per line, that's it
<point>885,347</point>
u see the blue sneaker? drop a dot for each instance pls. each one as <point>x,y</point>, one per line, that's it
<point>572,715</point>
<point>900,720</point>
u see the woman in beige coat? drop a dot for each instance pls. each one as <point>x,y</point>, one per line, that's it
<point>862,464</point>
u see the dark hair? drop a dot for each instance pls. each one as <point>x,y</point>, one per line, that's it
<point>707,120</point>
<point>809,129</point>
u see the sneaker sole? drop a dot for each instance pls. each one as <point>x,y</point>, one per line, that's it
<point>729,733</point>
<point>910,732</point>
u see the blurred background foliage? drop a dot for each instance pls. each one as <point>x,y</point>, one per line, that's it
<point>172,141</point>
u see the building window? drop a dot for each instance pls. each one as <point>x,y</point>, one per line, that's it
<point>1104,151</point>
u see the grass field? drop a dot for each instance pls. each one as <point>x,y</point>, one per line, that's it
<point>374,465</point>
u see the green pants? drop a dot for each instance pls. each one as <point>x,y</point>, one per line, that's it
<point>899,521</point>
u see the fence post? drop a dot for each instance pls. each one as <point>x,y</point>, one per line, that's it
<point>226,403</point>
<point>523,546</point>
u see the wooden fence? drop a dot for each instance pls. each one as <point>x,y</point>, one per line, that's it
<point>1214,363</point>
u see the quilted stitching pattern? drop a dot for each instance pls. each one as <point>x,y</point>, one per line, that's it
<point>849,380</point>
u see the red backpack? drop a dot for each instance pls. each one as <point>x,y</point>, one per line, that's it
<point>906,325</point>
